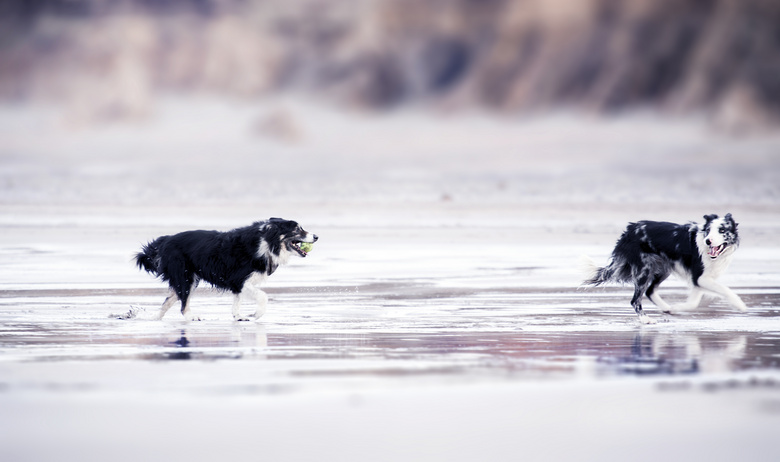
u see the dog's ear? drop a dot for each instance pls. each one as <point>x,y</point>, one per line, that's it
<point>270,234</point>
<point>287,227</point>
<point>709,218</point>
<point>274,222</point>
<point>282,224</point>
<point>730,219</point>
<point>271,228</point>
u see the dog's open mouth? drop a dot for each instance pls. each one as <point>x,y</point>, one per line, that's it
<point>296,246</point>
<point>715,251</point>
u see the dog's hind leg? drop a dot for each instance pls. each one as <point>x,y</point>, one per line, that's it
<point>185,305</point>
<point>642,281</point>
<point>186,312</point>
<point>167,304</point>
<point>654,297</point>
<point>182,281</point>
<point>184,296</point>
<point>184,290</point>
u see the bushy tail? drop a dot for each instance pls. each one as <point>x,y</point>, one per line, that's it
<point>147,259</point>
<point>593,274</point>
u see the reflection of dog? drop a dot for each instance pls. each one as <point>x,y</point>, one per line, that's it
<point>649,251</point>
<point>235,260</point>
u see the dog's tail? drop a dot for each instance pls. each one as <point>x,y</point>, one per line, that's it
<point>148,258</point>
<point>593,274</point>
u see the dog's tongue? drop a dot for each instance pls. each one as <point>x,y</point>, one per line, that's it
<point>714,251</point>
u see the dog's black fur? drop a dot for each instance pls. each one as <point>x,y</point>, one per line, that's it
<point>649,251</point>
<point>227,260</point>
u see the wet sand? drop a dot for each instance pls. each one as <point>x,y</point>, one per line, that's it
<point>443,322</point>
<point>400,352</point>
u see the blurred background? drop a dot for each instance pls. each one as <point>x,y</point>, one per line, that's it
<point>110,59</point>
<point>425,101</point>
<point>455,158</point>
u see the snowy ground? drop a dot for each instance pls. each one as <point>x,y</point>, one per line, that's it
<point>438,317</point>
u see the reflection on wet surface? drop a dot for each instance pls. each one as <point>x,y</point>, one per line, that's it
<point>511,354</point>
<point>427,332</point>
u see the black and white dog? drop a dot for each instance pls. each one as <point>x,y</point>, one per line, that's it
<point>237,260</point>
<point>649,251</point>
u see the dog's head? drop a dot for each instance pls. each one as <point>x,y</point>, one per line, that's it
<point>286,236</point>
<point>719,234</point>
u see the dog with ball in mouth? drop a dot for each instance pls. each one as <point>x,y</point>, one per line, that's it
<point>237,260</point>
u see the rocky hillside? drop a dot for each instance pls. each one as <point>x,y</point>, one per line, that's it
<point>111,58</point>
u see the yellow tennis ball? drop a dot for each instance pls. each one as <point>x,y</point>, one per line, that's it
<point>306,246</point>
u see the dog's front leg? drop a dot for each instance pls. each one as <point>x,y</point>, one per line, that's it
<point>237,308</point>
<point>659,302</point>
<point>694,298</point>
<point>718,288</point>
<point>262,300</point>
<point>258,295</point>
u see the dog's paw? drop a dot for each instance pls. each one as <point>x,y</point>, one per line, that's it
<point>645,319</point>
<point>679,309</point>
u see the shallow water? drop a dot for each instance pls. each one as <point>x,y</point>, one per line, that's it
<point>353,371</point>
<point>401,311</point>
<point>397,331</point>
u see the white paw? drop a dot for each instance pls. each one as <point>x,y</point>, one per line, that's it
<point>645,319</point>
<point>678,309</point>
<point>681,309</point>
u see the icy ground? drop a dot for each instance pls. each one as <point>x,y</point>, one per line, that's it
<point>437,318</point>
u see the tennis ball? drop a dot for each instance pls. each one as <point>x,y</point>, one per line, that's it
<point>306,246</point>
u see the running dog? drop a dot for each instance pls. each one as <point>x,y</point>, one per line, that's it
<point>649,251</point>
<point>237,260</point>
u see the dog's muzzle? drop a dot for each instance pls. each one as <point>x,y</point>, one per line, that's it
<point>296,244</point>
<point>715,251</point>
